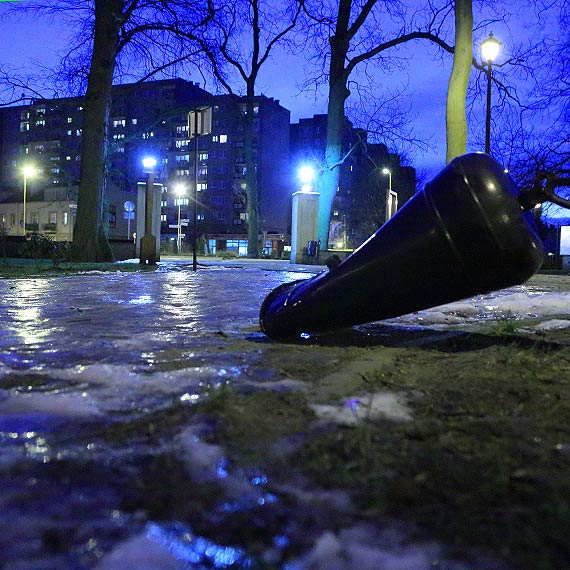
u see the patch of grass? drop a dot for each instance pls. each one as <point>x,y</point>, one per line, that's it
<point>481,464</point>
<point>250,424</point>
<point>151,427</point>
<point>34,382</point>
<point>14,268</point>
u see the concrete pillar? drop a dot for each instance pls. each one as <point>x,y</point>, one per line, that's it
<point>305,223</point>
<point>141,211</point>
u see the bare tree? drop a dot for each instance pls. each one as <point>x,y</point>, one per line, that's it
<point>357,36</point>
<point>140,31</point>
<point>238,41</point>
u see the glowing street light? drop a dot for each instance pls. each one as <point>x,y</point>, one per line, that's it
<point>28,172</point>
<point>489,51</point>
<point>149,163</point>
<point>388,172</point>
<point>180,191</point>
<point>306,175</point>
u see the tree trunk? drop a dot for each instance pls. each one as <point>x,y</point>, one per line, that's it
<point>456,122</point>
<point>338,93</point>
<point>251,175</point>
<point>90,240</point>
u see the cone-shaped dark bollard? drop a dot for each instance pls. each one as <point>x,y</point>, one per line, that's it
<point>465,233</point>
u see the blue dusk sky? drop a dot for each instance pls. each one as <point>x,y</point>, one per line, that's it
<point>26,43</point>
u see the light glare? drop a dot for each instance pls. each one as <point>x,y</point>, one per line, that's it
<point>490,48</point>
<point>149,162</point>
<point>306,174</point>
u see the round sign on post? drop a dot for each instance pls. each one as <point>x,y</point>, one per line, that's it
<point>129,208</point>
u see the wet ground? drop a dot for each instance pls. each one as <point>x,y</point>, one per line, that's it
<point>147,423</point>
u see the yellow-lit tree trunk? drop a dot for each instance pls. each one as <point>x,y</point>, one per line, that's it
<point>456,122</point>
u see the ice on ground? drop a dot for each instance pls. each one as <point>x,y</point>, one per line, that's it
<point>350,412</point>
<point>143,553</point>
<point>364,548</point>
<point>204,461</point>
<point>551,325</point>
<point>68,405</point>
<point>517,302</point>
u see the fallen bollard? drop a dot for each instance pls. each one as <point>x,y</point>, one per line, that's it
<point>464,234</point>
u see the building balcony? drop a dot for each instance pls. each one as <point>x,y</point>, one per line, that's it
<point>50,228</point>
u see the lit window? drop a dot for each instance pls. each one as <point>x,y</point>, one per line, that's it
<point>202,186</point>
<point>200,217</point>
<point>134,121</point>
<point>70,119</point>
<point>223,138</point>
<point>53,217</point>
<point>203,156</point>
<point>69,133</point>
<point>65,218</point>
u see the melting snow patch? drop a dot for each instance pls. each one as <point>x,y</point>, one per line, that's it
<point>365,549</point>
<point>516,302</point>
<point>203,460</point>
<point>69,405</point>
<point>382,405</point>
<point>142,553</point>
<point>551,325</point>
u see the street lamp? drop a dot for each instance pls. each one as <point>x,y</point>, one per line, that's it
<point>489,51</point>
<point>306,175</point>
<point>180,191</point>
<point>148,241</point>
<point>391,196</point>
<point>28,171</point>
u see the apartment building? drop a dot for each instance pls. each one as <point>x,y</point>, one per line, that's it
<point>147,119</point>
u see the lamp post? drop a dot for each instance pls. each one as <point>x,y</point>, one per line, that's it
<point>180,191</point>
<point>305,218</point>
<point>199,123</point>
<point>148,241</point>
<point>489,51</point>
<point>388,172</point>
<point>28,172</point>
